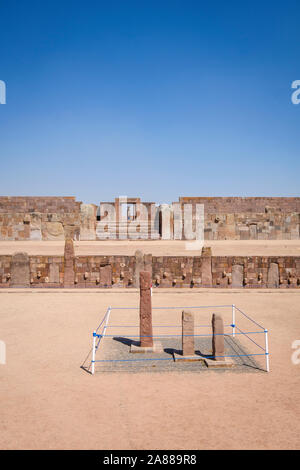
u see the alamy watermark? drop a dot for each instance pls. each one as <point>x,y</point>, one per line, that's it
<point>296,354</point>
<point>2,92</point>
<point>138,221</point>
<point>296,94</point>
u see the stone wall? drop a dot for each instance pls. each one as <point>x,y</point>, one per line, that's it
<point>57,218</point>
<point>27,204</point>
<point>250,218</point>
<point>167,271</point>
<point>230,205</point>
<point>39,218</point>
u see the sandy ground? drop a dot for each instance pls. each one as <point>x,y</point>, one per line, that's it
<point>48,402</point>
<point>157,248</point>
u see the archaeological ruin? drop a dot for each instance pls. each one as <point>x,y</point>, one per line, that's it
<point>219,218</point>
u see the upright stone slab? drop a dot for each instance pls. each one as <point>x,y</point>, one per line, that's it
<point>237,275</point>
<point>69,257</point>
<point>206,271</point>
<point>218,349</point>
<point>146,335</point>
<point>20,270</point>
<point>188,340</point>
<point>273,275</point>
<point>165,221</point>
<point>54,273</point>
<point>148,263</point>
<point>139,266</point>
<point>105,276</point>
<point>36,226</point>
<point>253,231</point>
<point>87,222</point>
<point>188,345</point>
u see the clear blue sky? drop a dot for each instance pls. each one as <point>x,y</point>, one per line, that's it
<point>155,99</point>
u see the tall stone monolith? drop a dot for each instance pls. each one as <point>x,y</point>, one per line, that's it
<point>218,349</point>
<point>69,257</point>
<point>146,334</point>
<point>139,266</point>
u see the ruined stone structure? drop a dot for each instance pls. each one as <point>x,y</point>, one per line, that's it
<point>165,271</point>
<point>249,218</point>
<point>63,218</point>
<point>39,218</point>
<point>232,218</point>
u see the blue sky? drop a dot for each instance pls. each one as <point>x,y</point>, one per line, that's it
<point>157,99</point>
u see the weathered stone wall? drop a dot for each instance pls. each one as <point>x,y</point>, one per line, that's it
<point>39,218</point>
<point>58,218</point>
<point>167,271</point>
<point>248,218</point>
<point>27,204</point>
<point>38,226</point>
<point>230,205</point>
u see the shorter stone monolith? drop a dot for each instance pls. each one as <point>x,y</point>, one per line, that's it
<point>188,344</point>
<point>218,349</point>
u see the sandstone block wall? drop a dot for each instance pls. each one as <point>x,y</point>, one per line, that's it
<point>251,218</point>
<point>39,218</point>
<point>166,271</point>
<point>57,218</point>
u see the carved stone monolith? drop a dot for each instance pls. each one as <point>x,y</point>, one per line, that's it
<point>146,334</point>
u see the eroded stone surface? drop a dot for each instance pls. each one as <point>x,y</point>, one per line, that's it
<point>146,335</point>
<point>206,271</point>
<point>139,266</point>
<point>273,275</point>
<point>69,256</point>
<point>188,344</point>
<point>218,348</point>
<point>237,275</point>
<point>54,273</point>
<point>105,276</point>
<point>20,270</point>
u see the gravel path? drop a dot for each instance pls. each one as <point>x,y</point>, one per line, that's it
<point>116,356</point>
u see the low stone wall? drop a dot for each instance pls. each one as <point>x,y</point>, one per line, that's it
<point>21,270</point>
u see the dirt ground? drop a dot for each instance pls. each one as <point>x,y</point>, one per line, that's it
<point>157,247</point>
<point>48,402</point>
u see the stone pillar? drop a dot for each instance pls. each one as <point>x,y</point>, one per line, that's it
<point>218,349</point>
<point>237,275</point>
<point>69,257</point>
<point>188,346</point>
<point>88,222</point>
<point>273,276</point>
<point>20,270</point>
<point>146,338</point>
<point>166,233</point>
<point>148,263</point>
<point>139,266</point>
<point>206,271</point>
<point>105,276</point>
<point>54,273</point>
